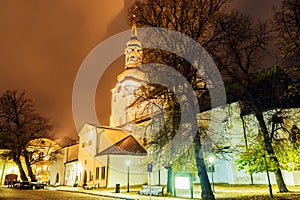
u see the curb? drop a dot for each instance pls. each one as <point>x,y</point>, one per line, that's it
<point>102,195</point>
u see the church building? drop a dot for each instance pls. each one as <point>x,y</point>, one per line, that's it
<point>107,153</point>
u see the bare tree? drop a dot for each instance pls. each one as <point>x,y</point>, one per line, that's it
<point>238,50</point>
<point>192,18</point>
<point>287,20</point>
<point>19,124</point>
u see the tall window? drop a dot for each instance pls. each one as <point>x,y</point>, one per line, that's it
<point>91,176</point>
<point>102,173</point>
<point>97,173</point>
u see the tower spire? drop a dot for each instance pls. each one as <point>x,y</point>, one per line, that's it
<point>133,27</point>
<point>133,51</point>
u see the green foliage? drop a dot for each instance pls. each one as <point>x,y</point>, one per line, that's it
<point>186,163</point>
<point>288,156</point>
<point>252,160</point>
<point>284,140</point>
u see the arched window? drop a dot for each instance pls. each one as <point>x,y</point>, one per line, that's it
<point>57,178</point>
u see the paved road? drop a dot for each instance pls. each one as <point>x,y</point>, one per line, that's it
<point>15,194</point>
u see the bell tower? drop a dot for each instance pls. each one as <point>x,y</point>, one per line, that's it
<point>128,82</point>
<point>133,52</point>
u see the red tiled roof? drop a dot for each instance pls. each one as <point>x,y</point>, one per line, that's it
<point>126,146</point>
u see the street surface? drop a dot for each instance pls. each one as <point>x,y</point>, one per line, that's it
<point>16,194</point>
<point>222,192</point>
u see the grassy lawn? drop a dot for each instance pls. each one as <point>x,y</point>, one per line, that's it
<point>247,192</point>
<point>285,196</point>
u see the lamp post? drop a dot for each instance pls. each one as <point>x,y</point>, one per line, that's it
<point>128,162</point>
<point>212,169</point>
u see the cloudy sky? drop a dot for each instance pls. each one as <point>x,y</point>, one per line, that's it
<point>43,43</point>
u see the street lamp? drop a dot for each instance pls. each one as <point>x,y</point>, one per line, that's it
<point>128,162</point>
<point>212,170</point>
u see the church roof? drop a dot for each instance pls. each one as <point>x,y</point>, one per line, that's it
<point>127,146</point>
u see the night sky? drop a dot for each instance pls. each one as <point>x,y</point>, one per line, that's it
<point>43,43</point>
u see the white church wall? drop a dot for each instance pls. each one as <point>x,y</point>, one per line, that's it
<point>221,174</point>
<point>57,168</point>
<point>159,175</point>
<point>88,139</point>
<point>291,178</point>
<point>101,162</point>
<point>123,94</point>
<point>85,166</point>
<point>236,137</point>
<point>71,177</point>
<point>118,170</point>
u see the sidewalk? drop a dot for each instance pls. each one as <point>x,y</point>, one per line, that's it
<point>221,192</point>
<point>111,193</point>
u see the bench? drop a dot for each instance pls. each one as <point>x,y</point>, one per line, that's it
<point>153,190</point>
<point>89,186</point>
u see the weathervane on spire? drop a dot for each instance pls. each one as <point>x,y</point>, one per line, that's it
<point>133,28</point>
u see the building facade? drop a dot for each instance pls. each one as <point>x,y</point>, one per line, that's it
<point>64,166</point>
<point>41,149</point>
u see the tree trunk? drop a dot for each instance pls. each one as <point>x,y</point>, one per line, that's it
<point>269,148</point>
<point>207,193</point>
<point>245,137</point>
<point>21,170</point>
<point>29,169</point>
<point>170,180</point>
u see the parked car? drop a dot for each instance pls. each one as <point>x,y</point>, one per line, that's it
<point>37,185</point>
<point>29,185</point>
<point>23,185</point>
